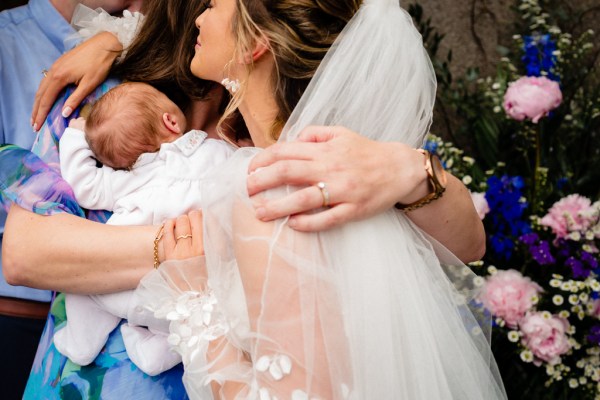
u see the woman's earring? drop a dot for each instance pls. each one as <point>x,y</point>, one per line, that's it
<point>232,85</point>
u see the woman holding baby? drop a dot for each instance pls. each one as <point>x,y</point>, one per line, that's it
<point>362,310</point>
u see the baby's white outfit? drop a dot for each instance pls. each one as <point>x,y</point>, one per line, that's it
<point>159,186</point>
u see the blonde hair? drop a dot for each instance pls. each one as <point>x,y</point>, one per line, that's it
<point>299,34</point>
<point>124,123</point>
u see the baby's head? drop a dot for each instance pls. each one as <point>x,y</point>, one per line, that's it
<point>131,119</point>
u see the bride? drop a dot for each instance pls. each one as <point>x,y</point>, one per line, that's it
<point>364,311</point>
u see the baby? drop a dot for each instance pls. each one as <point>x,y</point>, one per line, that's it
<point>151,171</point>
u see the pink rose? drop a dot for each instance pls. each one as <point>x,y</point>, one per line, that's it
<point>509,295</point>
<point>481,204</point>
<point>572,213</point>
<point>545,336</point>
<point>531,97</point>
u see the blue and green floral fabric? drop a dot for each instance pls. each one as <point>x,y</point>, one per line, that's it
<point>32,180</point>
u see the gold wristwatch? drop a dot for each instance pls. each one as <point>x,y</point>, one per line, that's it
<point>437,181</point>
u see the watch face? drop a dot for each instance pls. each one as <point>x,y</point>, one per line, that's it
<point>439,171</point>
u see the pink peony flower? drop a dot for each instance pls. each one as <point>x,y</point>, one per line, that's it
<point>596,309</point>
<point>481,204</point>
<point>531,97</point>
<point>545,336</point>
<point>509,295</point>
<point>572,213</point>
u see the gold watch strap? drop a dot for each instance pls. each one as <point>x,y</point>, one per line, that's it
<point>437,188</point>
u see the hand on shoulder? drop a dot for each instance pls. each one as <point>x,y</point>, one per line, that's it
<point>362,177</point>
<point>87,66</point>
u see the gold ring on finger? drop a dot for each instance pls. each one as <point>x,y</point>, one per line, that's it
<point>324,192</point>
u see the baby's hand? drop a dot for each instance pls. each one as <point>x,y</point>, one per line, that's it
<point>183,237</point>
<point>77,123</point>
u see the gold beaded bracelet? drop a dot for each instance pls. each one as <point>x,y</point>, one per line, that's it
<point>157,238</point>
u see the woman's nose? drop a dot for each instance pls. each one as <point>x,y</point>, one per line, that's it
<point>199,21</point>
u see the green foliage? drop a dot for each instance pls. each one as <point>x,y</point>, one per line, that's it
<point>569,139</point>
<point>557,157</point>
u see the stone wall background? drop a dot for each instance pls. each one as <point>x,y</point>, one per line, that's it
<point>475,28</point>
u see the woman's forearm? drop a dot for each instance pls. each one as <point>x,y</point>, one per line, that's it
<point>453,221</point>
<point>67,253</point>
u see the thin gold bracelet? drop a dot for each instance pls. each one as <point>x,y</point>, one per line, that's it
<point>159,236</point>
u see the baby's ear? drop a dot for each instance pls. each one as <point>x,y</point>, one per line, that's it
<point>77,123</point>
<point>171,123</point>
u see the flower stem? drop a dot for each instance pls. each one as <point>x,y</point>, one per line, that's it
<point>536,169</point>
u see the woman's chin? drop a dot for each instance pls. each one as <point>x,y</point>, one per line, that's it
<point>197,71</point>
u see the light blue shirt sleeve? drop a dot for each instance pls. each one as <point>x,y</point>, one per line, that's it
<point>31,39</point>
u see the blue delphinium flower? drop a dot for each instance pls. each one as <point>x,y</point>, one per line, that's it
<point>531,56</point>
<point>539,55</point>
<point>504,198</point>
<point>530,238</point>
<point>594,335</point>
<point>539,249</point>
<point>589,259</point>
<point>541,253</point>
<point>564,247</point>
<point>578,268</point>
<point>431,146</point>
<point>561,182</point>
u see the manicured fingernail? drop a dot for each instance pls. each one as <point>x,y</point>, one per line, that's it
<point>261,213</point>
<point>35,127</point>
<point>292,223</point>
<point>66,111</point>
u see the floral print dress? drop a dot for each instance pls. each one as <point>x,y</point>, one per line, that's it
<point>32,180</point>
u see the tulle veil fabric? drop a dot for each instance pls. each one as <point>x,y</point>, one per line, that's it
<point>371,310</point>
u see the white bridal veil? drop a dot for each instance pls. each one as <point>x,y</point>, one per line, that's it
<point>365,311</point>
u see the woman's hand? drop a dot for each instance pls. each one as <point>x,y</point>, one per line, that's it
<point>363,177</point>
<point>87,66</point>
<point>183,238</point>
